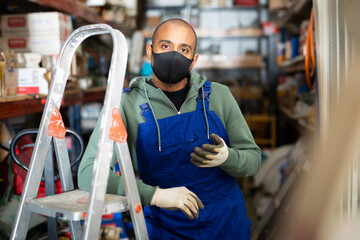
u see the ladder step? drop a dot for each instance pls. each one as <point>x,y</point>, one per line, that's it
<point>72,205</point>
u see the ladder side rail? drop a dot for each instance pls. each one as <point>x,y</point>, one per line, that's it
<point>50,190</point>
<point>105,145</point>
<point>42,142</point>
<point>31,185</point>
<point>67,182</point>
<point>63,160</point>
<point>66,53</point>
<point>49,173</point>
<point>37,162</point>
<point>131,190</point>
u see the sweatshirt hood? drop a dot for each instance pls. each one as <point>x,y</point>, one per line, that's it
<point>196,82</point>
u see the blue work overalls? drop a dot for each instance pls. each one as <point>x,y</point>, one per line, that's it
<point>224,214</point>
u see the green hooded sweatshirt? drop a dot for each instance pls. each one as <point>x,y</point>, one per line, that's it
<point>244,155</point>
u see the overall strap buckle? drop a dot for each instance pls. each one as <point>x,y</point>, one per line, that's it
<point>207,91</point>
<point>127,89</point>
<point>145,108</point>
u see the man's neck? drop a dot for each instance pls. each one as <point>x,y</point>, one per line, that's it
<point>169,87</point>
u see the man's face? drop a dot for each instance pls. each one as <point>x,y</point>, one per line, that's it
<point>174,37</point>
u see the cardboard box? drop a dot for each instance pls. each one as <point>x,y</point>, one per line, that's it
<point>228,62</point>
<point>41,23</point>
<point>42,33</point>
<point>251,93</point>
<point>9,73</point>
<point>32,81</point>
<point>2,75</point>
<point>153,21</point>
<point>212,3</point>
<point>246,2</point>
<point>153,18</point>
<point>45,45</point>
<point>165,3</point>
<point>4,140</point>
<point>28,60</point>
<point>110,233</point>
<point>278,4</point>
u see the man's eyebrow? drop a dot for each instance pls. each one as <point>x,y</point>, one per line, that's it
<point>168,41</point>
<point>186,45</point>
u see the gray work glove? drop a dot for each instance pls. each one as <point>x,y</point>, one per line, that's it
<point>178,198</point>
<point>210,155</point>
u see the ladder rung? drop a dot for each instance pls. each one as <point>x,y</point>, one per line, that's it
<point>66,206</point>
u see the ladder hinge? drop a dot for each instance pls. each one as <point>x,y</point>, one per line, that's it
<point>117,128</point>
<point>56,126</point>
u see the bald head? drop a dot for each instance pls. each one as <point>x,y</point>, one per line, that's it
<point>174,22</point>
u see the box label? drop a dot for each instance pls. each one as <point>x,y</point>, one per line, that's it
<point>28,90</point>
<point>16,43</point>
<point>46,45</point>
<point>16,21</point>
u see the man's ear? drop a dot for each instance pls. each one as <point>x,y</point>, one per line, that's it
<point>148,51</point>
<point>194,61</point>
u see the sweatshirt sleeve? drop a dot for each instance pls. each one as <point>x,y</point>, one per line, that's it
<point>115,184</point>
<point>244,155</point>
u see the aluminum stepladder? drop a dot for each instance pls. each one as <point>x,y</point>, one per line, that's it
<point>112,135</point>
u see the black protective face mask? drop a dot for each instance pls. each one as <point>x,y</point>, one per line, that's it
<point>171,67</point>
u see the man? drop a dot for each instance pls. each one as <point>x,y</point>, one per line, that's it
<point>188,141</point>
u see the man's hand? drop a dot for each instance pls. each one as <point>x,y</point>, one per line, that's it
<point>178,198</point>
<point>210,155</point>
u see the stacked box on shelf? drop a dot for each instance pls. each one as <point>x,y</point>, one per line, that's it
<point>229,62</point>
<point>246,2</point>
<point>212,3</point>
<point>42,32</point>
<point>8,73</point>
<point>1,47</point>
<point>166,3</point>
<point>278,4</point>
<point>32,80</point>
<point>153,18</point>
<point>302,38</point>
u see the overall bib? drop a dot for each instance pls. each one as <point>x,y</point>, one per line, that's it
<point>224,214</point>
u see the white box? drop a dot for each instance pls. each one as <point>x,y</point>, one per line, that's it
<point>32,80</point>
<point>42,33</point>
<point>165,3</point>
<point>29,60</point>
<point>45,45</point>
<point>44,23</point>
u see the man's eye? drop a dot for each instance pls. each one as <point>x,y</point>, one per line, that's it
<point>166,46</point>
<point>184,50</point>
